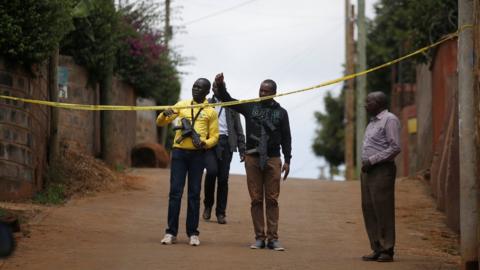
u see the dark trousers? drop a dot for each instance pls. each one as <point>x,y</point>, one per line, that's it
<point>191,163</point>
<point>264,185</point>
<point>218,168</point>
<point>378,205</point>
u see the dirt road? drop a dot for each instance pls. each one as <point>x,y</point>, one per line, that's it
<point>320,225</point>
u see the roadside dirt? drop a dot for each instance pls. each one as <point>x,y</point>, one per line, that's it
<point>320,225</point>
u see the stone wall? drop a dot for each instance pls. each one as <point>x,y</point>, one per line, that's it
<point>24,131</point>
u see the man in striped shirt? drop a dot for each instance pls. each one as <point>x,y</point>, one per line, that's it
<point>380,146</point>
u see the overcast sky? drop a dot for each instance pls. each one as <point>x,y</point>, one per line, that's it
<point>296,43</point>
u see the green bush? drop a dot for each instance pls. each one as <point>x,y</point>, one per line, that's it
<point>94,42</point>
<point>30,30</point>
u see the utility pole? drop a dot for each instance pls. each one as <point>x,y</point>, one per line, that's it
<point>168,37</point>
<point>361,88</point>
<point>349,92</point>
<point>469,187</point>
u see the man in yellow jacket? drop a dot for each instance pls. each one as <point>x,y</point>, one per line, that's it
<point>197,132</point>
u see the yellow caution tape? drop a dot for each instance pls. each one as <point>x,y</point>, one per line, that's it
<point>231,103</point>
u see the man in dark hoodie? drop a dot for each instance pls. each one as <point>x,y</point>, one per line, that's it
<point>267,130</point>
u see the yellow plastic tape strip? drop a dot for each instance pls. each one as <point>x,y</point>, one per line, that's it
<point>231,103</point>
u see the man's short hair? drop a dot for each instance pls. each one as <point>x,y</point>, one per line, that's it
<point>272,83</point>
<point>380,98</point>
<point>206,81</point>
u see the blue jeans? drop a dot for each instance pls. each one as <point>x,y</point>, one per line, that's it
<point>185,162</point>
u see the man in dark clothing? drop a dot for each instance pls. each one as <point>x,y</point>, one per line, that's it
<point>218,159</point>
<point>267,129</point>
<point>380,146</point>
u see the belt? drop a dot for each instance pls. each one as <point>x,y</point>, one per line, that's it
<point>251,151</point>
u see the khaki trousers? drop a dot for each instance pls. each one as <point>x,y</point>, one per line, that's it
<point>264,186</point>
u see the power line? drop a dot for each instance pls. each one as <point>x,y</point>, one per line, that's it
<point>220,12</point>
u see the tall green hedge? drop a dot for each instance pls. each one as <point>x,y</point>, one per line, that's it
<point>31,29</point>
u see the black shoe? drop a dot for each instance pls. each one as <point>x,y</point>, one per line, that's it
<point>371,257</point>
<point>207,213</point>
<point>385,257</point>
<point>221,219</point>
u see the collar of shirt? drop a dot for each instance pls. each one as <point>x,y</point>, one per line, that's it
<point>380,115</point>
<point>193,102</point>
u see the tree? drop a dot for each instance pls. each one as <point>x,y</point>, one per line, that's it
<point>400,27</point>
<point>143,59</point>
<point>329,139</point>
<point>31,29</point>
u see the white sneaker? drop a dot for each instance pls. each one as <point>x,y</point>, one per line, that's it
<point>168,239</point>
<point>194,240</point>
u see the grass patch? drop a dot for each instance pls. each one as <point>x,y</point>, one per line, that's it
<point>119,168</point>
<point>53,194</point>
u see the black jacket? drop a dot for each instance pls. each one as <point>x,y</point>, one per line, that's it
<point>236,138</point>
<point>257,114</point>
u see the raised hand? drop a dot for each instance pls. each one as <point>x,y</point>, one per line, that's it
<point>219,79</point>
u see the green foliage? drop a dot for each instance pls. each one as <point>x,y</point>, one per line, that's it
<point>143,59</point>
<point>400,27</point>
<point>53,194</point>
<point>127,40</point>
<point>94,42</point>
<point>30,30</point>
<point>329,139</point>
<point>119,168</point>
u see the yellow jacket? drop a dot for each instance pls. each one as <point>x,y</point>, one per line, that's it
<point>206,124</point>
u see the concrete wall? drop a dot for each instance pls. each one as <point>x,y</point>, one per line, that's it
<point>125,125</point>
<point>146,131</point>
<point>409,142</point>
<point>445,161</point>
<point>432,150</point>
<point>444,68</point>
<point>423,103</point>
<point>402,104</point>
<point>79,130</point>
<point>23,133</point>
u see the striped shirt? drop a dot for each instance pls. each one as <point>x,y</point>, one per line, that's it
<point>382,138</point>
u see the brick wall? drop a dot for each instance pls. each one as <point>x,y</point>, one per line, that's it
<point>23,133</point>
<point>24,128</point>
